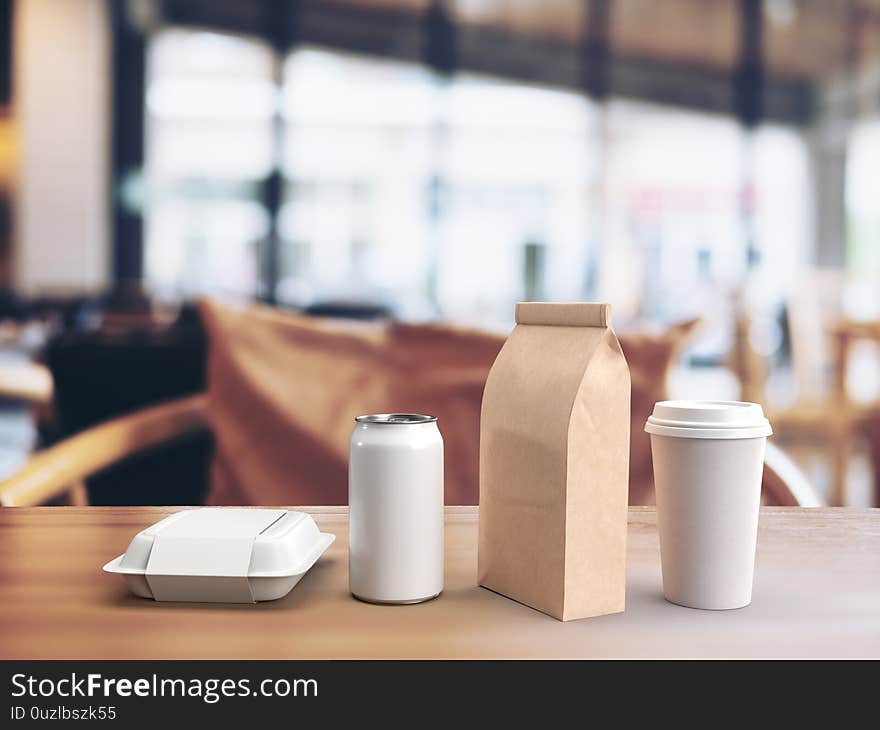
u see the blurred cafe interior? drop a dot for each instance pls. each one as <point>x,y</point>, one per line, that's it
<point>170,168</point>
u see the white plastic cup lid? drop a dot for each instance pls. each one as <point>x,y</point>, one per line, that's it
<point>708,419</point>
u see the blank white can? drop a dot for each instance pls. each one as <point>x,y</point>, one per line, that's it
<point>395,497</point>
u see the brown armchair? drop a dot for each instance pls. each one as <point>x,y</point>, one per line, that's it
<point>283,388</point>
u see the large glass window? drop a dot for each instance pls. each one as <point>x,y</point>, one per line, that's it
<point>210,102</point>
<point>515,168</point>
<point>701,218</point>
<point>357,164</point>
<point>863,220</point>
<point>456,197</point>
<point>437,197</point>
<point>449,198</point>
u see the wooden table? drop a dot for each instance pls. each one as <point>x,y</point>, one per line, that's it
<point>817,594</point>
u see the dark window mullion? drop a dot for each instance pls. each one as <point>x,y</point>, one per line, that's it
<point>128,89</point>
<point>281,30</point>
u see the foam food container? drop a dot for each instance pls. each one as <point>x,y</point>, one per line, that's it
<point>222,555</point>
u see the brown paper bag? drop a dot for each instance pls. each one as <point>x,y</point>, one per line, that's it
<point>554,453</point>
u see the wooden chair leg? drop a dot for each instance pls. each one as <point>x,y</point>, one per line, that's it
<point>840,422</point>
<point>78,494</point>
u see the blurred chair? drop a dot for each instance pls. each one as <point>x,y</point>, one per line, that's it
<point>60,471</point>
<point>822,342</point>
<point>283,391</point>
<point>25,407</point>
<point>849,419</point>
<point>650,357</point>
<point>784,485</point>
<point>811,312</point>
<point>26,382</point>
<point>122,357</point>
<point>871,429</point>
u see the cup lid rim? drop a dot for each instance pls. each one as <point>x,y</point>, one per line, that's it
<point>708,419</point>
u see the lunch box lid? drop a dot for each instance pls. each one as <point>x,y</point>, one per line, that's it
<point>225,543</point>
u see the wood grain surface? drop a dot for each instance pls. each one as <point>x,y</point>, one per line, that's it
<point>817,594</point>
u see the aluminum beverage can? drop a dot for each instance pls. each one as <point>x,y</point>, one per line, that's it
<point>395,497</point>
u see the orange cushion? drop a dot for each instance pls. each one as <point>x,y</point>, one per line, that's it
<point>284,390</point>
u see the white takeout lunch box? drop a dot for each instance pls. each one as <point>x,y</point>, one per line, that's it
<point>222,555</point>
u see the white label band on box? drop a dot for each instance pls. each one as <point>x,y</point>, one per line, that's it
<point>207,555</point>
<point>222,555</point>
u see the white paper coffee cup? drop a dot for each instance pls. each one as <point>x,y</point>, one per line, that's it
<point>708,462</point>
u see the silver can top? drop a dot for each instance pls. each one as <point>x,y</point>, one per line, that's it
<point>396,419</point>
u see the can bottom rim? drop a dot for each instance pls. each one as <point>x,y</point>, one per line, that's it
<point>406,602</point>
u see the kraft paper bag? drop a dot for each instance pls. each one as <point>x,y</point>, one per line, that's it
<point>554,463</point>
